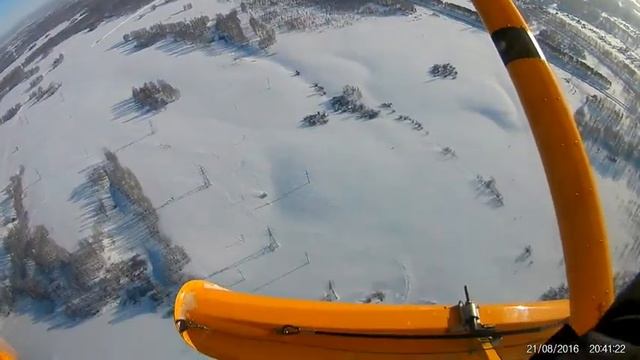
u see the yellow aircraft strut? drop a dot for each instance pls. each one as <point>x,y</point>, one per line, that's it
<point>573,188</point>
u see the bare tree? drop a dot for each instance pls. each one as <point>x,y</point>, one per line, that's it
<point>230,28</point>
<point>155,95</point>
<point>10,114</point>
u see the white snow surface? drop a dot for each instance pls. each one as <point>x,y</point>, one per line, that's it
<point>146,336</point>
<point>383,207</point>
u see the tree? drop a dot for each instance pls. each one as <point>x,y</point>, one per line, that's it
<point>556,293</point>
<point>266,35</point>
<point>369,114</point>
<point>10,114</point>
<point>44,251</point>
<point>155,95</point>
<point>57,61</point>
<point>375,298</point>
<point>88,261</point>
<point>7,300</point>
<point>230,28</point>
<point>41,93</point>
<point>35,82</point>
<point>444,71</point>
<point>176,258</point>
<point>351,101</point>
<point>319,118</point>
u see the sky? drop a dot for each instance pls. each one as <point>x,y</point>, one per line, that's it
<point>13,11</point>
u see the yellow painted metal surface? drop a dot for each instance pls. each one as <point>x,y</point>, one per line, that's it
<point>232,325</point>
<point>573,188</point>
<point>490,352</point>
<point>498,14</point>
<point>7,352</point>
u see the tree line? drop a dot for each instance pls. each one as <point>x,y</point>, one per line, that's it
<point>82,282</point>
<point>195,31</point>
<point>575,65</point>
<point>202,30</point>
<point>44,93</point>
<point>15,77</point>
<point>602,123</point>
<point>601,48</point>
<point>266,35</point>
<point>561,43</point>
<point>11,113</point>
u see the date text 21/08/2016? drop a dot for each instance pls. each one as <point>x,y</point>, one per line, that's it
<point>575,349</point>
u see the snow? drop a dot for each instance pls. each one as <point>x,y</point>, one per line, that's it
<point>616,47</point>
<point>636,3</point>
<point>384,210</point>
<point>465,3</point>
<point>145,336</point>
<point>39,42</point>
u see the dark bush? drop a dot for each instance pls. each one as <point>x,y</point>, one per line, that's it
<point>319,118</point>
<point>155,95</point>
<point>351,101</point>
<point>444,71</point>
<point>10,114</point>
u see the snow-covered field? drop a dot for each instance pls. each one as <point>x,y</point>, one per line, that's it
<point>383,209</point>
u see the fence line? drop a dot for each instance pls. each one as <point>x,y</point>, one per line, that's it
<point>307,262</point>
<point>269,248</point>
<point>286,194</point>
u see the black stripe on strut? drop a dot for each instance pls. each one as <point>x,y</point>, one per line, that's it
<point>435,337</point>
<point>515,43</point>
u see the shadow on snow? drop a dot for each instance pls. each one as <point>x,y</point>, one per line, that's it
<point>181,48</point>
<point>131,110</point>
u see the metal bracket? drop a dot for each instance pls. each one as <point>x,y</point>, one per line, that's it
<point>470,319</point>
<point>184,325</point>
